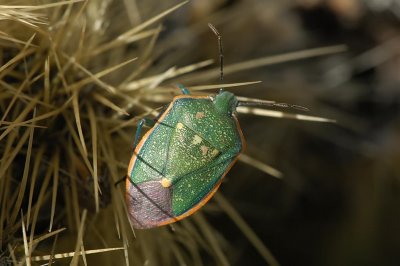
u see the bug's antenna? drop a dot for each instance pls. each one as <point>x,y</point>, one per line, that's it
<point>272,104</point>
<point>221,50</point>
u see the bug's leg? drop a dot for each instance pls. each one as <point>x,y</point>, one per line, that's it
<point>145,121</point>
<point>120,181</point>
<point>183,89</point>
<point>162,110</point>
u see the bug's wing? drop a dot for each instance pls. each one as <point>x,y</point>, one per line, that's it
<point>152,155</point>
<point>149,204</point>
<point>192,188</point>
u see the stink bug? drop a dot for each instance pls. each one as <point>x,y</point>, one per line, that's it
<point>180,162</point>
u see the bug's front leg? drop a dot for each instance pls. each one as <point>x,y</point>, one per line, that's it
<point>183,89</point>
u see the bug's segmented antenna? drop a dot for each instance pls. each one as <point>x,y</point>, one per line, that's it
<point>269,103</point>
<point>293,106</point>
<point>247,102</point>
<point>220,49</point>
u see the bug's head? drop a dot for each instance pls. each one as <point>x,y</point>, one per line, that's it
<point>225,102</point>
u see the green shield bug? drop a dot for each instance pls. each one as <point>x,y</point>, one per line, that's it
<point>180,162</point>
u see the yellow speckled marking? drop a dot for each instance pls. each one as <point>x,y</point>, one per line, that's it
<point>165,182</point>
<point>204,150</point>
<point>196,140</point>
<point>179,126</point>
<point>214,152</point>
<point>200,115</point>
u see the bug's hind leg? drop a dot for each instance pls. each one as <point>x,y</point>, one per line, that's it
<point>183,89</point>
<point>120,181</point>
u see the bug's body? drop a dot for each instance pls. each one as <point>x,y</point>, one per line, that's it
<point>180,162</point>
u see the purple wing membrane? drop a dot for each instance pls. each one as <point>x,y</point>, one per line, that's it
<point>150,204</point>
